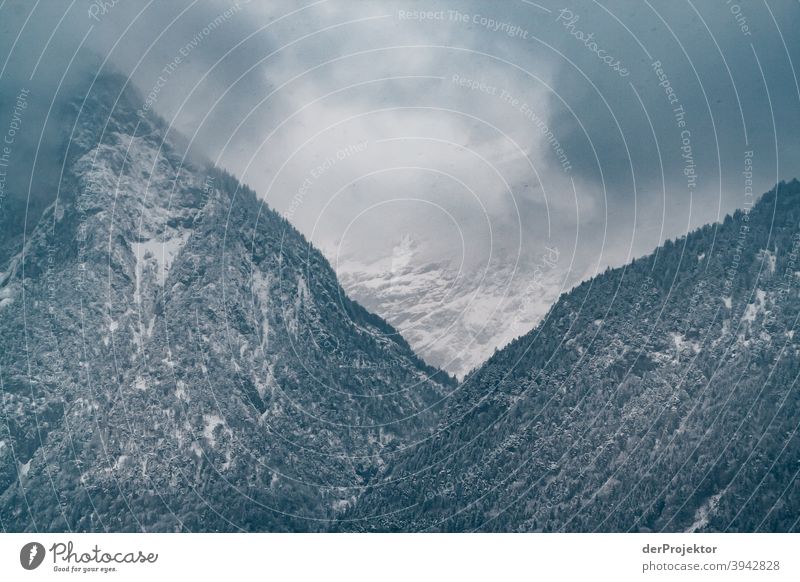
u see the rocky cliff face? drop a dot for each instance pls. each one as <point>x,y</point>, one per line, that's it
<point>175,356</point>
<point>659,396</point>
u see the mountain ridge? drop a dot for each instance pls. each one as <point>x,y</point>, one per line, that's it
<point>177,356</point>
<point>643,366</point>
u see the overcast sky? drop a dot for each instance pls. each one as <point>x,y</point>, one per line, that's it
<point>486,131</point>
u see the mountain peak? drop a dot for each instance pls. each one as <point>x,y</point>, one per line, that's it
<point>217,352</point>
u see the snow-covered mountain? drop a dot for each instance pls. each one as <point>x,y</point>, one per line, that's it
<point>176,356</point>
<point>454,316</point>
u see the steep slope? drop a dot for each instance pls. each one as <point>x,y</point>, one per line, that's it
<point>661,396</point>
<point>176,356</point>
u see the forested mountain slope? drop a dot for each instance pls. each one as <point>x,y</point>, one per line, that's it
<point>661,396</point>
<point>176,356</point>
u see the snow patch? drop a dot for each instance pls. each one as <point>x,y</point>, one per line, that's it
<point>682,343</point>
<point>704,512</point>
<point>196,449</point>
<point>270,385</point>
<point>161,253</point>
<point>261,290</point>
<point>6,298</point>
<point>302,293</point>
<point>120,463</point>
<point>753,309</point>
<point>24,468</point>
<point>340,505</point>
<point>728,302</point>
<point>300,302</point>
<point>212,421</point>
<point>771,260</point>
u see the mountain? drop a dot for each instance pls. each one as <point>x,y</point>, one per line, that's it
<point>176,356</point>
<point>454,316</point>
<point>660,396</point>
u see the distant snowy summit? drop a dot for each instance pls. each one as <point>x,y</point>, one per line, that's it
<point>454,317</point>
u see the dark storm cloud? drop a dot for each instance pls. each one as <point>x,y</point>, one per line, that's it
<point>581,73</point>
<point>54,50</point>
<point>714,66</point>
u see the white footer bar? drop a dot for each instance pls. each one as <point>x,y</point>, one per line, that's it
<point>387,557</point>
